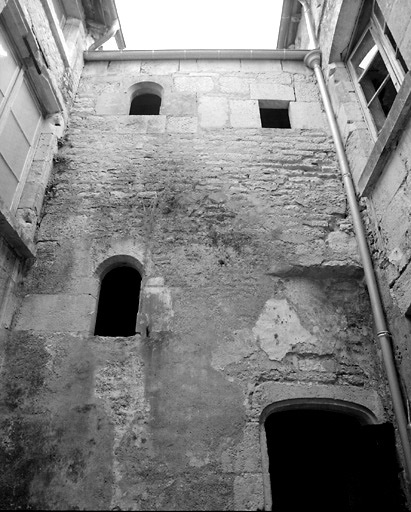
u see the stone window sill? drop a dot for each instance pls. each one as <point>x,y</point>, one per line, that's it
<point>387,139</point>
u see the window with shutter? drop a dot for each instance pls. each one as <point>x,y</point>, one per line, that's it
<point>20,121</point>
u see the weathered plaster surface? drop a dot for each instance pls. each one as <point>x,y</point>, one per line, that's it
<point>278,330</point>
<point>18,226</point>
<point>240,235</point>
<point>387,205</point>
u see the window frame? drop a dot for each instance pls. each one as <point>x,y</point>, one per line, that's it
<point>389,56</point>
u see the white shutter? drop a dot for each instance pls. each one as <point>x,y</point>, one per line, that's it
<point>19,126</point>
<point>9,69</point>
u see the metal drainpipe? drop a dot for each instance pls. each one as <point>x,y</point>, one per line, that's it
<point>312,60</point>
<point>115,55</point>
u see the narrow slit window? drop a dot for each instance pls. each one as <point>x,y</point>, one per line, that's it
<point>118,302</point>
<point>274,114</point>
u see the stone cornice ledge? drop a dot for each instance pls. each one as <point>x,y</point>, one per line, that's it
<point>388,138</point>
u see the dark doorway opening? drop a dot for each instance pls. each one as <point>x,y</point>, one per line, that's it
<point>274,118</point>
<point>145,105</point>
<point>118,302</point>
<point>327,461</point>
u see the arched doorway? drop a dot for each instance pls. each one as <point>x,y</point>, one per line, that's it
<point>331,457</point>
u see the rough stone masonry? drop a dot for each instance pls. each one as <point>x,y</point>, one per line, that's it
<point>252,291</point>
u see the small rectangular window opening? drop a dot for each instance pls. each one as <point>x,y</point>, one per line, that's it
<point>274,114</point>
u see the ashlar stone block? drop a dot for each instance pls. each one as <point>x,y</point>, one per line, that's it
<point>156,124</point>
<point>295,66</point>
<point>194,84</point>
<point>349,113</point>
<point>112,104</point>
<point>234,85</point>
<point>121,68</point>
<point>178,104</point>
<point>95,68</point>
<point>181,125</point>
<point>244,114</point>
<point>165,67</point>
<point>220,66</point>
<point>139,123</point>
<point>57,313</point>
<point>307,115</point>
<point>261,66</point>
<point>269,91</point>
<point>306,91</point>
<point>213,112</point>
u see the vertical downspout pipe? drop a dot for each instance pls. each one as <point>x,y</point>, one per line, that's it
<point>313,61</point>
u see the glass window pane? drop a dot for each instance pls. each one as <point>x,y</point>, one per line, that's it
<point>382,104</point>
<point>387,96</point>
<point>364,54</point>
<point>373,78</point>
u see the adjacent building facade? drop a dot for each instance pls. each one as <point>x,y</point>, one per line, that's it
<point>185,323</point>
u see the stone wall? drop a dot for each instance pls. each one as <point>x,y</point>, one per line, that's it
<point>53,79</point>
<point>252,293</point>
<point>385,202</point>
<point>52,68</point>
<point>389,210</point>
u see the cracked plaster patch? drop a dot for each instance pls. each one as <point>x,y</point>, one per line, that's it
<point>278,329</point>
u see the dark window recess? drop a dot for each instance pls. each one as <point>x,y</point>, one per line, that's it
<point>323,460</point>
<point>274,118</point>
<point>145,105</point>
<point>379,91</point>
<point>118,303</point>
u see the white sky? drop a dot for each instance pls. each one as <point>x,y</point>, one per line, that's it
<point>187,24</point>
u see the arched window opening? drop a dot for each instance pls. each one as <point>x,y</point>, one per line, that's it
<point>118,302</point>
<point>145,105</point>
<point>145,99</point>
<point>326,460</point>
